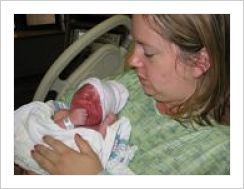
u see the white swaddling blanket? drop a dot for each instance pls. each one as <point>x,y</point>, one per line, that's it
<point>33,121</point>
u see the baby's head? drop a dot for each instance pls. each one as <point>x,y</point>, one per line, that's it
<point>87,97</point>
<point>99,98</point>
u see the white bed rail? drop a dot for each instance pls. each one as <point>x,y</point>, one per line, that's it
<point>51,80</point>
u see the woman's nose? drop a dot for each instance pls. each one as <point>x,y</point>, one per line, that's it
<point>134,59</point>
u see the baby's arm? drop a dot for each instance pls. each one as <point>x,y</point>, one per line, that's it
<point>59,116</point>
<point>109,120</point>
<point>76,116</point>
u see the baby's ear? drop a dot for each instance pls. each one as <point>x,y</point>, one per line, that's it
<point>201,63</point>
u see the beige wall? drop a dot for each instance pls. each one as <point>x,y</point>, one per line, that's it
<point>37,19</point>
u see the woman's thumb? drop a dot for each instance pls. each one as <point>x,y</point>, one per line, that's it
<point>83,145</point>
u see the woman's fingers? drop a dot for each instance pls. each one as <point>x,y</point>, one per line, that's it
<point>43,161</point>
<point>55,144</point>
<point>64,160</point>
<point>46,152</point>
<point>83,145</point>
<point>61,148</point>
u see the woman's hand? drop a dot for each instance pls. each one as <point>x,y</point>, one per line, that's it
<point>63,160</point>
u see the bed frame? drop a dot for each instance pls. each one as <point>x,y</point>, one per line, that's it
<point>106,61</point>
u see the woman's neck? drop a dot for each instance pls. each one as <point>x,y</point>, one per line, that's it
<point>164,108</point>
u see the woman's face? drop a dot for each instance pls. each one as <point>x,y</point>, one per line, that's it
<point>160,71</point>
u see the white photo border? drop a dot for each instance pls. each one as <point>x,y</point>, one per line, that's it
<point>9,8</point>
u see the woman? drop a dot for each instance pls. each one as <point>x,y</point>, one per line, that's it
<point>182,63</point>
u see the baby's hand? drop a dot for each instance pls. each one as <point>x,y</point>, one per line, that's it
<point>61,114</point>
<point>78,116</point>
<point>108,121</point>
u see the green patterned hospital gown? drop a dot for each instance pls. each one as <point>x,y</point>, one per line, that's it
<point>167,147</point>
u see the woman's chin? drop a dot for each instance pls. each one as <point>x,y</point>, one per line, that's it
<point>153,94</point>
<point>147,91</point>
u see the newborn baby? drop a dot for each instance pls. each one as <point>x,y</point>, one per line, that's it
<point>89,108</point>
<point>91,104</point>
<point>85,110</point>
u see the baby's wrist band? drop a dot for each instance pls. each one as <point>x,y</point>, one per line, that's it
<point>59,105</point>
<point>68,124</point>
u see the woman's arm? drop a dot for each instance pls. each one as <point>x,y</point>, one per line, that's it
<point>63,160</point>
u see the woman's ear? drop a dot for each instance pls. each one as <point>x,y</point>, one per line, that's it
<point>201,63</point>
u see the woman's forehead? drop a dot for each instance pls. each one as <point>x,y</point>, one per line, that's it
<point>144,33</point>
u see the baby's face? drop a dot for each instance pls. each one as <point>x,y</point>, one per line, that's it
<point>88,93</point>
<point>88,98</point>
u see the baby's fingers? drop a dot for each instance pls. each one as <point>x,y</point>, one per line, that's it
<point>78,116</point>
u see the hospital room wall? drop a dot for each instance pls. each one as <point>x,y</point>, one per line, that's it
<point>32,58</point>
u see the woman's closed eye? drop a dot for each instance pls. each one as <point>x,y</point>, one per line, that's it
<point>149,52</point>
<point>149,55</point>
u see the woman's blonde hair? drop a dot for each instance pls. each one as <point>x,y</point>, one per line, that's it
<point>191,33</point>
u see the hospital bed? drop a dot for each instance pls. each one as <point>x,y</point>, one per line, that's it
<point>106,61</point>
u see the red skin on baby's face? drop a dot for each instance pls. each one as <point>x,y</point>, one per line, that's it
<point>88,98</point>
<point>86,111</point>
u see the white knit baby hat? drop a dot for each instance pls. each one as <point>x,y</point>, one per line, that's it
<point>113,95</point>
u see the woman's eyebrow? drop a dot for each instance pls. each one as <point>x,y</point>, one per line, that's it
<point>143,43</point>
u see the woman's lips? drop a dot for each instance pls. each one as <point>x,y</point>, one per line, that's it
<point>142,79</point>
<point>141,75</point>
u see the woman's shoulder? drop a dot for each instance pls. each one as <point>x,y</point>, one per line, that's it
<point>173,148</point>
<point>170,148</point>
<point>166,145</point>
